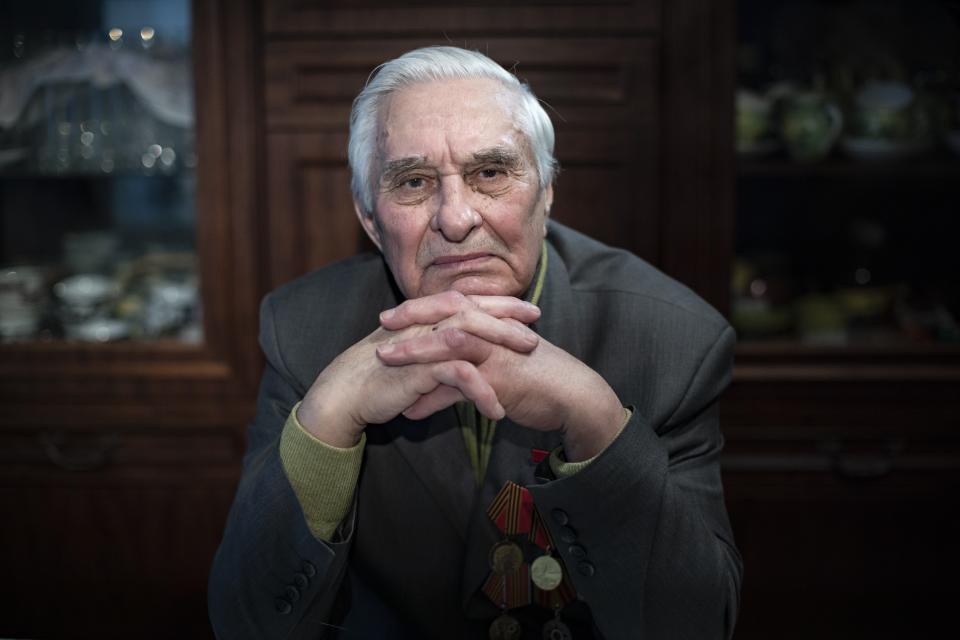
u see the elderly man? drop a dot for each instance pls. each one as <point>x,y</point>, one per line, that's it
<point>496,428</point>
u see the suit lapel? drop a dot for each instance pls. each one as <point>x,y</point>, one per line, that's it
<point>435,450</point>
<point>559,321</point>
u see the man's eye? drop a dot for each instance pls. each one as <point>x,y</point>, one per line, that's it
<point>489,174</point>
<point>413,183</point>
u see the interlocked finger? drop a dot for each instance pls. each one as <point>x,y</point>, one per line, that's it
<point>433,309</point>
<point>436,346</point>
<point>437,400</point>
<point>464,377</point>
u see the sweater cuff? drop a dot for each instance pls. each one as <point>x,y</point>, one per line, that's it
<point>323,477</point>
<point>563,469</point>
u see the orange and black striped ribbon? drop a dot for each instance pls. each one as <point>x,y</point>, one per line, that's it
<point>511,591</point>
<point>539,533</point>
<point>512,509</point>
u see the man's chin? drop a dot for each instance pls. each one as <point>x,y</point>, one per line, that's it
<point>473,285</point>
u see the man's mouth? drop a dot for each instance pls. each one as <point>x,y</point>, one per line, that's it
<point>459,259</point>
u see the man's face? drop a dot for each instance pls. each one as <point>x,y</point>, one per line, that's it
<point>458,204</point>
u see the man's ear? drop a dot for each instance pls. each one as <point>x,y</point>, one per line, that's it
<point>547,203</point>
<point>369,224</point>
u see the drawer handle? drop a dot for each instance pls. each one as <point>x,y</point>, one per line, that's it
<point>90,459</point>
<point>859,466</point>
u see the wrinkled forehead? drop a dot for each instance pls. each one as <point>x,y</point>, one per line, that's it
<point>461,115</point>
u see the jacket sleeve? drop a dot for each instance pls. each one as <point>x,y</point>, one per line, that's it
<point>271,578</point>
<point>651,549</point>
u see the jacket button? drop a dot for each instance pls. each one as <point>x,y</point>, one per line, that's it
<point>308,569</point>
<point>283,606</point>
<point>560,516</point>
<point>567,534</point>
<point>586,569</point>
<point>301,580</point>
<point>292,593</point>
<point>577,551</point>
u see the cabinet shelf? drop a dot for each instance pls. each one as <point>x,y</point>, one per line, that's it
<point>784,360</point>
<point>793,349</point>
<point>21,174</point>
<point>934,166</point>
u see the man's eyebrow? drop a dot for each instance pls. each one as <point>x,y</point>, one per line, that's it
<point>494,155</point>
<point>498,155</point>
<point>396,167</point>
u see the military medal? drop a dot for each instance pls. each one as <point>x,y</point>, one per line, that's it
<point>509,581</point>
<point>556,598</point>
<point>505,558</point>
<point>556,630</point>
<point>512,582</point>
<point>546,573</point>
<point>505,627</point>
<point>552,588</point>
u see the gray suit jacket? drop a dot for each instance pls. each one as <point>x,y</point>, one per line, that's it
<point>647,544</point>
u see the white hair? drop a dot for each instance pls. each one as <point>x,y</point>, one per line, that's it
<point>431,64</point>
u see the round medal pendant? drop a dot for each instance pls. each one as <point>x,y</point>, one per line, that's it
<point>546,573</point>
<point>505,628</point>
<point>556,630</point>
<point>505,558</point>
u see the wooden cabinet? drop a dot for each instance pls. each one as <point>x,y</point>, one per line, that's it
<point>843,450</point>
<point>118,461</point>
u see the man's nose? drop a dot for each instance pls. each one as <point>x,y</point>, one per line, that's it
<point>455,217</point>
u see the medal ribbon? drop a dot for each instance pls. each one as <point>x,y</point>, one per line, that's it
<point>514,513</point>
<point>510,591</point>
<point>539,534</point>
<point>512,509</point>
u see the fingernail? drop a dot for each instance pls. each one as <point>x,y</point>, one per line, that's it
<point>386,349</point>
<point>386,315</point>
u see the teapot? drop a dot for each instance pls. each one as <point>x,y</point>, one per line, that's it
<point>810,125</point>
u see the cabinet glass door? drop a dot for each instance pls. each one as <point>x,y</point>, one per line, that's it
<point>97,172</point>
<point>848,189</point>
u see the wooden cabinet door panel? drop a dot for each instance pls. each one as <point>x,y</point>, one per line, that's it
<point>829,559</point>
<point>119,562</point>
<point>285,17</point>
<point>586,82</point>
<point>845,531</point>
<point>110,532</point>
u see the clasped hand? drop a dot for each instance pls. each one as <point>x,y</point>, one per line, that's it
<point>432,352</point>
